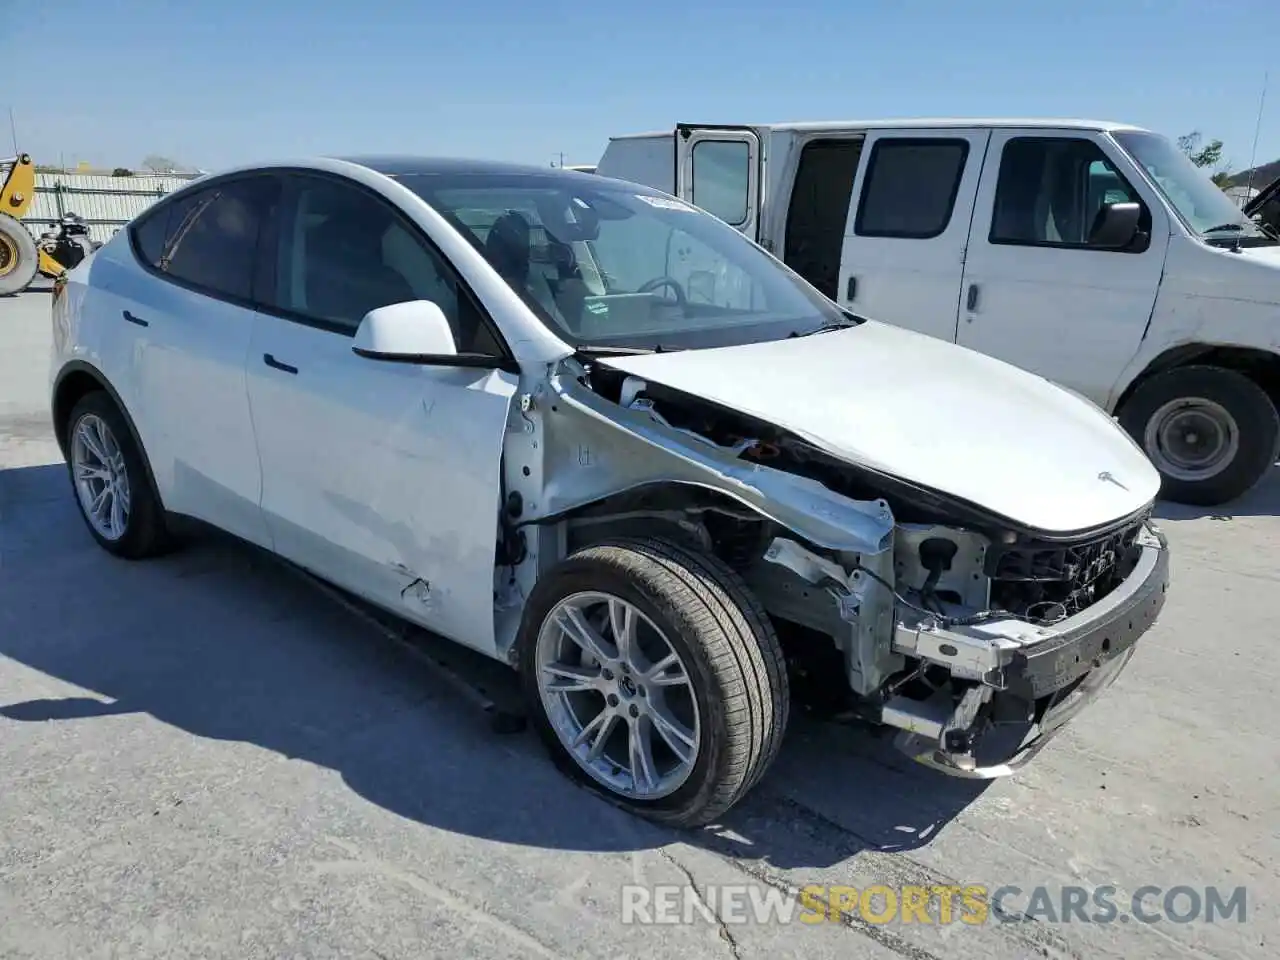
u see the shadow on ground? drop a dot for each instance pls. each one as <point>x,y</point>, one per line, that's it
<point>225,643</point>
<point>1262,501</point>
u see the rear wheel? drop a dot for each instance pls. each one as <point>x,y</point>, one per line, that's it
<point>110,480</point>
<point>1211,432</point>
<point>18,256</point>
<point>655,678</point>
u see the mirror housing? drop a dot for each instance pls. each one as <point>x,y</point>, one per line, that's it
<point>1116,226</point>
<point>416,331</point>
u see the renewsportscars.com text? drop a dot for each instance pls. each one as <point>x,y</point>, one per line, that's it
<point>973,904</point>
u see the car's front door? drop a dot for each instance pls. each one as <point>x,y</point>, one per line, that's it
<point>383,477</point>
<point>193,324</point>
<point>1037,292</point>
<point>903,252</point>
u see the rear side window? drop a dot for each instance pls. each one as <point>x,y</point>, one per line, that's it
<point>910,187</point>
<point>150,234</point>
<point>209,239</point>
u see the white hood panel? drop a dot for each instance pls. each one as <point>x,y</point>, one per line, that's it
<point>929,412</point>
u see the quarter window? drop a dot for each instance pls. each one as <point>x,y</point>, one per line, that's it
<point>1051,190</point>
<point>910,187</point>
<point>722,179</point>
<point>344,252</point>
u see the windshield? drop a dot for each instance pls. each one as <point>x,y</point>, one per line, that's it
<point>1204,207</point>
<point>610,264</point>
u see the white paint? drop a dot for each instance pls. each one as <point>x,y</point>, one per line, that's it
<point>929,412</point>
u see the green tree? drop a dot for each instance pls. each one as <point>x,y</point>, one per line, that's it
<point>1209,155</point>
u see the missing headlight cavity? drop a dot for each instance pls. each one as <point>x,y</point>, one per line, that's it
<point>1045,581</point>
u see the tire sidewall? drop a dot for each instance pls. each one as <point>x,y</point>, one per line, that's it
<point>142,502</point>
<point>21,276</point>
<point>583,574</point>
<point>1256,420</point>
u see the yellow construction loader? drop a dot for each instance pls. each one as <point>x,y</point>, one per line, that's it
<point>21,256</point>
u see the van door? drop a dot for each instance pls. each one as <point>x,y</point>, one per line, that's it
<point>721,170</point>
<point>1038,291</point>
<point>902,260</point>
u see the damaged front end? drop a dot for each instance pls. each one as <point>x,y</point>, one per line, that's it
<point>977,639</point>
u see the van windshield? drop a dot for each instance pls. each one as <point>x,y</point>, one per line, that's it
<point>609,264</point>
<point>1198,200</point>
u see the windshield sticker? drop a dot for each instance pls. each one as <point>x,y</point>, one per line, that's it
<point>664,203</point>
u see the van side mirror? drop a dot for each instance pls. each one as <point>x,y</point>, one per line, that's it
<point>413,332</point>
<point>1116,226</point>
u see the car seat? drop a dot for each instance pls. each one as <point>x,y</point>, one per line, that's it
<point>345,273</point>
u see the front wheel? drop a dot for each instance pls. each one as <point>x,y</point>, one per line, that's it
<point>1211,432</point>
<point>655,678</point>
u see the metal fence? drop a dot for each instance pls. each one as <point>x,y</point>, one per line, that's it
<point>106,203</point>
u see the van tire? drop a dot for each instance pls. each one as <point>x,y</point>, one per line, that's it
<point>1248,427</point>
<point>728,649</point>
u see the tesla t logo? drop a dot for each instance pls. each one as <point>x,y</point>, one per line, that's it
<point>1106,477</point>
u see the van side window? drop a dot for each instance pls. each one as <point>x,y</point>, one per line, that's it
<point>1050,191</point>
<point>722,179</point>
<point>910,187</point>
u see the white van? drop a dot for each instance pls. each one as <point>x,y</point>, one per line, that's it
<point>1094,254</point>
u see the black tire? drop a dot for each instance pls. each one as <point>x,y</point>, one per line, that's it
<point>145,532</point>
<point>18,256</point>
<point>1248,405</point>
<point>730,651</point>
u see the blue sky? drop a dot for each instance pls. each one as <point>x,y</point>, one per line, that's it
<point>216,83</point>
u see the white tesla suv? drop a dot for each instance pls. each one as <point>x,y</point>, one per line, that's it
<point>588,430</point>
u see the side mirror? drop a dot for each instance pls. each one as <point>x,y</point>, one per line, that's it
<point>413,332</point>
<point>1115,226</point>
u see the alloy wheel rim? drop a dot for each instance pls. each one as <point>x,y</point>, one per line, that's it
<point>102,482</point>
<point>1192,439</point>
<point>618,695</point>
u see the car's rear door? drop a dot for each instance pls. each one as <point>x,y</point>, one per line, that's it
<point>383,477</point>
<point>192,315</point>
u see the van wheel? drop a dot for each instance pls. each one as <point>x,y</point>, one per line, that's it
<point>110,480</point>
<point>655,678</point>
<point>1211,432</point>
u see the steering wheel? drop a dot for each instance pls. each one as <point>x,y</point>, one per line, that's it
<point>658,283</point>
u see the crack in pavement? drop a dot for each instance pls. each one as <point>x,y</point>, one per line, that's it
<point>723,928</point>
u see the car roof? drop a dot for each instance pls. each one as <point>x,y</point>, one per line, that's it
<point>405,165</point>
<point>396,166</point>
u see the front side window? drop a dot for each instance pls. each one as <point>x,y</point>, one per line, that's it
<point>722,179</point>
<point>209,238</point>
<point>1050,191</point>
<point>1198,200</point>
<point>618,264</point>
<point>910,187</point>
<point>344,252</point>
